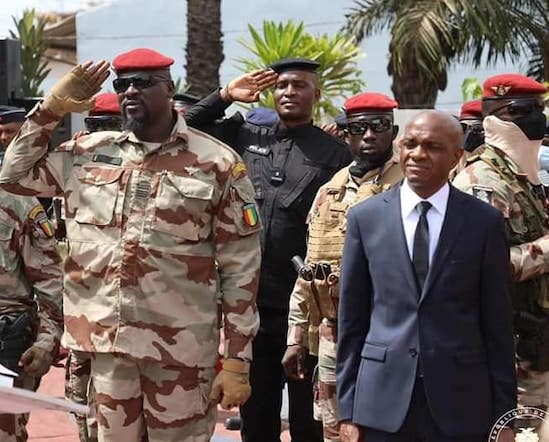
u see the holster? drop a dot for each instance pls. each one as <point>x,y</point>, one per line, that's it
<point>16,336</point>
<point>533,342</point>
<point>321,295</point>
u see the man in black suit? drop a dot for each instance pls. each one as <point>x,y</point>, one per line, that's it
<point>426,348</point>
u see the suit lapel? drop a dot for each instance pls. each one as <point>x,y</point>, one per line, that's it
<point>451,227</point>
<point>396,240</point>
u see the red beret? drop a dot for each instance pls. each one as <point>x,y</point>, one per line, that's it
<point>106,104</point>
<point>369,102</point>
<point>471,110</point>
<point>511,85</point>
<point>141,59</point>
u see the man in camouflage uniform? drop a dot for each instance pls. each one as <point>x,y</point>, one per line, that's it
<point>149,213</point>
<point>505,175</point>
<point>31,290</point>
<point>312,324</point>
<point>104,116</point>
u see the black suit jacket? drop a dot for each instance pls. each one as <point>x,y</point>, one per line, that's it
<point>459,329</point>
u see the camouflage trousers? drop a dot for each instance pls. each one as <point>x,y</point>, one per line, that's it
<point>79,389</point>
<point>325,399</point>
<point>13,427</point>
<point>136,397</point>
<point>533,386</point>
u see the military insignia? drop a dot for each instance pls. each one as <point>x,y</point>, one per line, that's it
<point>40,219</point>
<point>100,158</point>
<point>259,150</point>
<point>239,170</point>
<point>249,213</point>
<point>483,193</point>
<point>501,89</point>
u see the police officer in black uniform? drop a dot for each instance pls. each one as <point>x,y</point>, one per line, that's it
<point>287,164</point>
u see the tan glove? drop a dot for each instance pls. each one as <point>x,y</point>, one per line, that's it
<point>36,361</point>
<point>74,92</point>
<point>232,384</point>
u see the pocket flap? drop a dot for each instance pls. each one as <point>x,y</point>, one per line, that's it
<point>375,352</point>
<point>190,187</point>
<point>99,175</point>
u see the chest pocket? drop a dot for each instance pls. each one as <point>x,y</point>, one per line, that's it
<point>183,207</point>
<point>98,192</point>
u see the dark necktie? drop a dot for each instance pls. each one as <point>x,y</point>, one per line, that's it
<point>420,256</point>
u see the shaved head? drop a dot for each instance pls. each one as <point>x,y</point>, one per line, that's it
<point>442,120</point>
<point>429,149</point>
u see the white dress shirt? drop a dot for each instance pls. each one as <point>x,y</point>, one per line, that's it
<point>435,216</point>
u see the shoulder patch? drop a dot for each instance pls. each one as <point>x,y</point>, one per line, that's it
<point>483,193</point>
<point>39,218</point>
<point>239,170</point>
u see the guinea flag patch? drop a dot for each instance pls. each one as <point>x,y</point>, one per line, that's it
<point>250,215</point>
<point>38,216</point>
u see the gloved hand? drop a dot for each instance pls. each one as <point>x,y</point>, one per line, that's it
<point>232,384</point>
<point>74,92</point>
<point>36,361</point>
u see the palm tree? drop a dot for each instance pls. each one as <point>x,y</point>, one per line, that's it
<point>428,35</point>
<point>204,46</point>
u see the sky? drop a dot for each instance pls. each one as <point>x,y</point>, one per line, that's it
<point>16,7</point>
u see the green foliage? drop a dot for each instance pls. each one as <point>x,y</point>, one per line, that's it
<point>338,55</point>
<point>441,32</point>
<point>30,32</point>
<point>470,89</point>
<point>180,87</point>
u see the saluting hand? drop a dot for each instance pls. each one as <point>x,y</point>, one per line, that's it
<point>75,91</point>
<point>248,87</point>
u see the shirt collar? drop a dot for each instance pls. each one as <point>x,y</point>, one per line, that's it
<point>409,199</point>
<point>179,131</point>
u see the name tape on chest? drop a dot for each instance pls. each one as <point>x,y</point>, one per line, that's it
<point>483,193</point>
<point>259,150</point>
<point>100,158</point>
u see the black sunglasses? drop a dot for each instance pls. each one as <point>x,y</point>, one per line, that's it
<point>140,82</point>
<point>474,127</point>
<point>377,125</point>
<point>522,106</point>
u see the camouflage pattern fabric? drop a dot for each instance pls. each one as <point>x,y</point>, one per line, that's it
<point>174,399</point>
<point>79,389</point>
<point>325,404</point>
<point>496,179</point>
<point>321,340</point>
<point>13,427</point>
<point>146,226</point>
<point>30,280</point>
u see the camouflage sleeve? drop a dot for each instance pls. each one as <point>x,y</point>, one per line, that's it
<point>529,259</point>
<point>238,256</point>
<point>42,266</point>
<point>298,320</point>
<point>28,168</point>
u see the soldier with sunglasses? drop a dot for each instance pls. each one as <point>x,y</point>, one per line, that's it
<point>505,175</point>
<point>154,214</point>
<point>314,300</point>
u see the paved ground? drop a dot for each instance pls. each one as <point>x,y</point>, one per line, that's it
<point>55,426</point>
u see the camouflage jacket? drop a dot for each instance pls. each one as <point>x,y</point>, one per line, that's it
<point>30,267</point>
<point>347,191</point>
<point>496,179</point>
<point>146,224</point>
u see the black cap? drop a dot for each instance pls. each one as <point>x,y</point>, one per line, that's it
<point>341,121</point>
<point>186,98</point>
<point>11,114</point>
<point>294,64</point>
